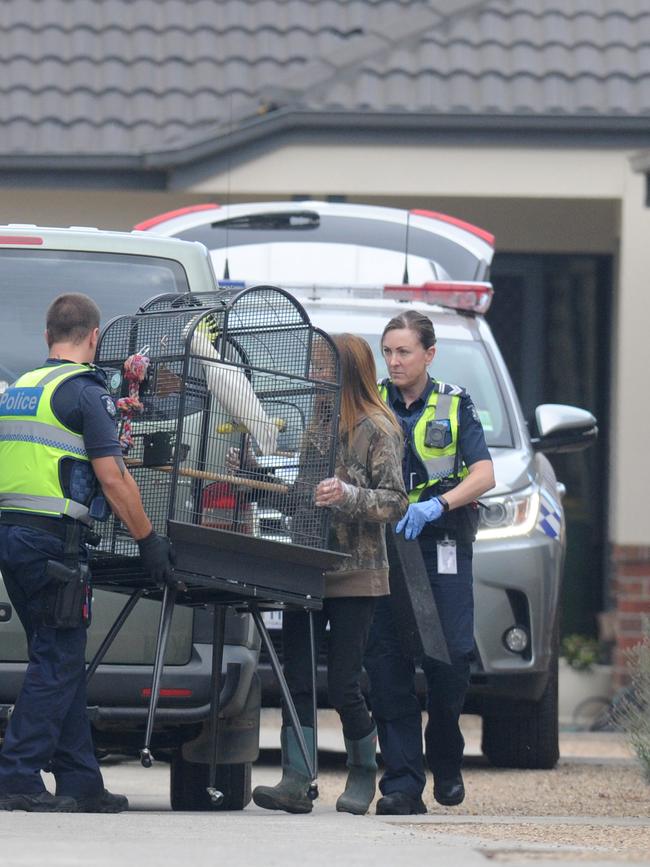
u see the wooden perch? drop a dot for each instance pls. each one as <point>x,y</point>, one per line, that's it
<point>258,484</point>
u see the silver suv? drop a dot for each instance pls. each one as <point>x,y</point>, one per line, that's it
<point>121,271</point>
<point>354,267</point>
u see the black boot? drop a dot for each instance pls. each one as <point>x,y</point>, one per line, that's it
<point>290,794</point>
<point>362,775</point>
<point>43,802</point>
<point>449,792</point>
<point>400,804</point>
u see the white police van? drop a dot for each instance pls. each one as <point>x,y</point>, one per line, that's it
<point>354,267</point>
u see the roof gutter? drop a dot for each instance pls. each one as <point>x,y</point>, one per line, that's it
<point>508,127</point>
<point>150,168</point>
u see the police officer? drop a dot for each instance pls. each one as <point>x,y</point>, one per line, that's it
<point>446,467</point>
<point>58,448</point>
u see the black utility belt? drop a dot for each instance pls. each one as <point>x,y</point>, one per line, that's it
<point>46,524</point>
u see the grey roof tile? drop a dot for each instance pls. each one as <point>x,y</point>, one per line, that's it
<point>94,77</point>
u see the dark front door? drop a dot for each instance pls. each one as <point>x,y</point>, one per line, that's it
<point>550,316</point>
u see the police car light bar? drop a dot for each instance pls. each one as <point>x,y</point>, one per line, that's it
<point>476,297</point>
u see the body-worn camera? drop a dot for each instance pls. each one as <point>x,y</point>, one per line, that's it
<point>437,434</point>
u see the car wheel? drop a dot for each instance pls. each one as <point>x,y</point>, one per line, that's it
<point>525,734</point>
<point>188,783</point>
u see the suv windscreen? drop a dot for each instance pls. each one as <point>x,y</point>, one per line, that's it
<point>466,363</point>
<point>31,279</point>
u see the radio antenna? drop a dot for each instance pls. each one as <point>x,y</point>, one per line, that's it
<point>226,267</point>
<point>405,276</point>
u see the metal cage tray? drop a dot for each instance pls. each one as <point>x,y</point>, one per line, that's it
<point>264,563</point>
<point>217,565</point>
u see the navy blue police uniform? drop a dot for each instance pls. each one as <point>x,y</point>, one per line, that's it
<point>49,727</point>
<point>394,701</point>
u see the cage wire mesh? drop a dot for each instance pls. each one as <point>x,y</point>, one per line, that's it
<point>237,416</point>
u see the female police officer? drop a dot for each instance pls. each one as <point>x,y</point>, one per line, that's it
<point>446,466</point>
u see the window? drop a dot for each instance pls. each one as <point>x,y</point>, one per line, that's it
<point>31,279</point>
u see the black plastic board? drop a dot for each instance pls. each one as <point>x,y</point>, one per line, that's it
<point>412,599</point>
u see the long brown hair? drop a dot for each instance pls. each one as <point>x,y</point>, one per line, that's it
<point>359,394</point>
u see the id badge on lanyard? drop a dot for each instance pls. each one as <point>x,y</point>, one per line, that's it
<point>447,564</point>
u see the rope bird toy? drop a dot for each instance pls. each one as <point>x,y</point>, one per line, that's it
<point>135,370</point>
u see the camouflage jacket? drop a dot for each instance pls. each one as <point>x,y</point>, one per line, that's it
<point>370,460</point>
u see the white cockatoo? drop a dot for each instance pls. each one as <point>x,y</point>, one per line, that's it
<point>230,386</point>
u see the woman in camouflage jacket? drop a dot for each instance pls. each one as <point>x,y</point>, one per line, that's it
<point>366,492</point>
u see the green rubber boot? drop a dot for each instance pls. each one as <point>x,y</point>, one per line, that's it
<point>362,775</point>
<point>290,794</point>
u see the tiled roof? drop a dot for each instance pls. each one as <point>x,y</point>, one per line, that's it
<point>118,77</point>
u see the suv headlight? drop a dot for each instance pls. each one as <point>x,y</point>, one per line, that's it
<point>509,515</point>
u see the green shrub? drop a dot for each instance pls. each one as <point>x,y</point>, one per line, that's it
<point>580,651</point>
<point>632,710</point>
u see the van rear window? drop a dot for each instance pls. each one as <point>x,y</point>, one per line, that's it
<point>31,279</point>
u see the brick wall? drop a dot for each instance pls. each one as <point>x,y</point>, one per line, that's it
<point>631,585</point>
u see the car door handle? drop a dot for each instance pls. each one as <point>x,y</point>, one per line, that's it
<point>5,612</point>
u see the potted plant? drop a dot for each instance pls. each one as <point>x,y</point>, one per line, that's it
<point>585,685</point>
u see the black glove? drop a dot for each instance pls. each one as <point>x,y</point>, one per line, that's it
<point>156,556</point>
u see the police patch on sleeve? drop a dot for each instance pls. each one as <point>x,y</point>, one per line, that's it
<point>109,405</point>
<point>474,413</point>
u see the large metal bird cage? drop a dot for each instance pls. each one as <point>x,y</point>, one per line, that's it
<point>229,404</point>
<point>237,425</point>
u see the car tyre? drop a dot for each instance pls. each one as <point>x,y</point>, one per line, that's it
<point>188,783</point>
<point>525,734</point>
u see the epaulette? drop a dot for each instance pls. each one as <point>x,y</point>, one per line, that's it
<point>448,388</point>
<point>95,372</point>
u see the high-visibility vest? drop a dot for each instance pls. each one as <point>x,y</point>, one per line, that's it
<point>443,404</point>
<point>33,443</point>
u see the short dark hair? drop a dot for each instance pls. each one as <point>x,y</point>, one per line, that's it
<point>71,318</point>
<point>416,321</point>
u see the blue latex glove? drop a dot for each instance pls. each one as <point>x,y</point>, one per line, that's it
<point>417,515</point>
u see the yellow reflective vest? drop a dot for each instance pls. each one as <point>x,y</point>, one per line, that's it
<point>33,443</point>
<point>436,445</point>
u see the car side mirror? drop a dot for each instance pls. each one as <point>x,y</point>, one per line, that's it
<point>563,429</point>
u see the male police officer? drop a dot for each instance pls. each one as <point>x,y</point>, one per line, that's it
<point>58,445</point>
<point>446,466</point>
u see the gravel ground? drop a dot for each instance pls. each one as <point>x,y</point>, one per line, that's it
<point>597,776</point>
<point>572,789</point>
<point>579,842</point>
<point>596,793</point>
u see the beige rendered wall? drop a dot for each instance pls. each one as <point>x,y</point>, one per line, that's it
<point>411,170</point>
<point>104,209</point>
<point>630,453</point>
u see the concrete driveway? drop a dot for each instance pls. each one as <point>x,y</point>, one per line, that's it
<point>593,807</point>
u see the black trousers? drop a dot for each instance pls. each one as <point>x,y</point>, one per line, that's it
<point>394,701</point>
<point>349,619</point>
<point>49,725</point>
